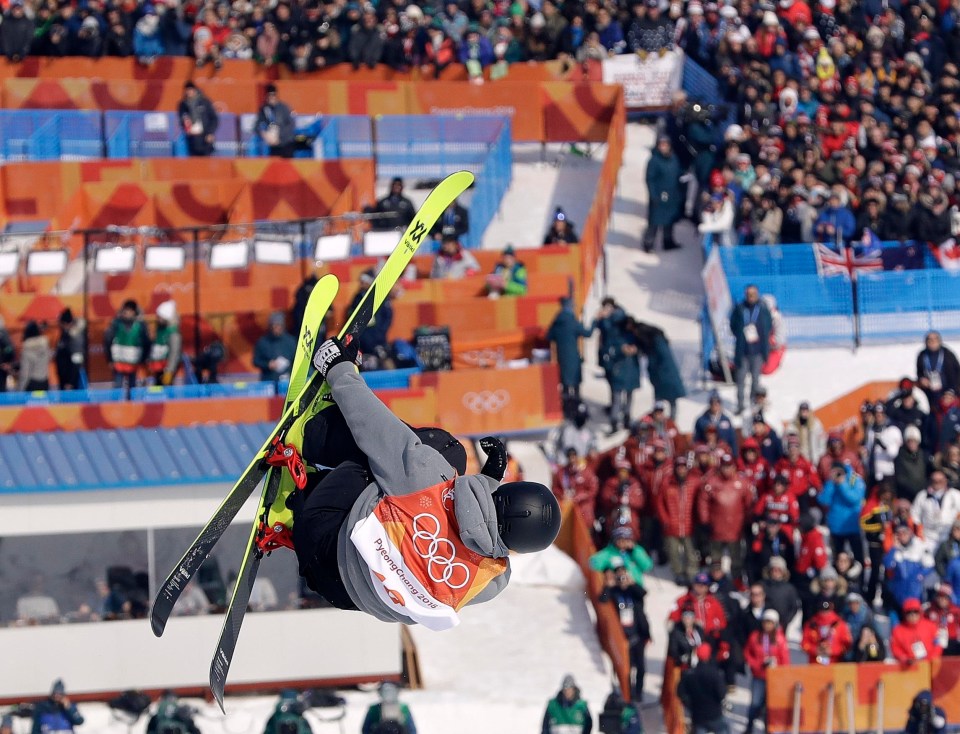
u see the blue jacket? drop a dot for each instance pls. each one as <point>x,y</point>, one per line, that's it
<point>725,430</point>
<point>841,218</point>
<point>843,502</point>
<point>906,570</point>
<point>759,316</point>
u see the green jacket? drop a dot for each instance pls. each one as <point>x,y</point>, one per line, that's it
<point>636,561</point>
<point>373,719</point>
<point>567,717</point>
<point>278,719</point>
<point>127,343</point>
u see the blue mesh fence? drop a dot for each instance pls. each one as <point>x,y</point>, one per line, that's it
<point>905,304</point>
<point>763,260</point>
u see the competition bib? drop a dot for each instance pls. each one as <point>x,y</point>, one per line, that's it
<point>919,651</point>
<point>751,334</point>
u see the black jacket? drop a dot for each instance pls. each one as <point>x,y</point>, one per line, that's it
<point>782,596</point>
<point>949,371</point>
<point>701,690</point>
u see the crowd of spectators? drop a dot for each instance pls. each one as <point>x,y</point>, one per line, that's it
<point>844,119</point>
<point>854,535</point>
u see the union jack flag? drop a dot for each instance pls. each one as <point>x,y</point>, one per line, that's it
<point>845,262</point>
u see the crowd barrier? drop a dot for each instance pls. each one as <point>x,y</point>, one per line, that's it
<point>574,540</point>
<point>540,110</point>
<point>467,402</point>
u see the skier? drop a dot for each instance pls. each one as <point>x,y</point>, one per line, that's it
<point>394,528</point>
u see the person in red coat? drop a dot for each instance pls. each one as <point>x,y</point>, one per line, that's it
<point>704,463</point>
<point>780,503</point>
<point>724,504</point>
<point>837,452</point>
<point>576,482</point>
<point>826,637</point>
<point>946,615</point>
<point>812,557</point>
<point>637,448</point>
<point>665,428</point>
<point>676,504</point>
<point>805,483</point>
<point>707,608</point>
<point>765,648</point>
<point>622,499</point>
<point>653,474</point>
<point>915,638</point>
<point>754,467</point>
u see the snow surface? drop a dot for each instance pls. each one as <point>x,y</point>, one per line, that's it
<point>496,671</point>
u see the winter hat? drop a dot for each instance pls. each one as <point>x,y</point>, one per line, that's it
<point>278,318</point>
<point>734,132</point>
<point>770,615</point>
<point>167,311</point>
<point>537,21</point>
<point>568,682</point>
<point>770,19</point>
<point>622,533</point>
<point>854,597</point>
<point>778,562</point>
<point>58,688</point>
<point>829,573</point>
<point>695,8</point>
<point>728,11</point>
<point>701,578</point>
<point>413,12</point>
<point>911,432</point>
<point>911,605</point>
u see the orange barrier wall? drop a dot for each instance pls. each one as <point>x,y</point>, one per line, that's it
<point>901,684</point>
<point>574,540</point>
<point>466,402</point>
<point>541,110</point>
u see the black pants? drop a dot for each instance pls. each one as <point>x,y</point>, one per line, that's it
<point>650,235</point>
<point>638,663</point>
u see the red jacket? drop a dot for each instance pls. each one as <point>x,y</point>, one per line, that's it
<point>609,502</point>
<point>676,505</point>
<point>948,619</point>
<point>653,477</point>
<point>906,641</point>
<point>724,504</point>
<point>798,11</point>
<point>803,477</point>
<point>826,627</point>
<point>759,648</point>
<point>709,611</point>
<point>637,452</point>
<point>813,553</point>
<point>784,506</point>
<point>757,473</point>
<point>846,457</point>
<point>581,486</point>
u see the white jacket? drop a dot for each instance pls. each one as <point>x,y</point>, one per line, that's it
<point>719,223</point>
<point>936,514</point>
<point>883,456</point>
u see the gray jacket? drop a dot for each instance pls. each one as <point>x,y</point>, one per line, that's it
<point>401,465</point>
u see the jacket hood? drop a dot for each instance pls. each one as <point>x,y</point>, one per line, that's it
<point>477,516</point>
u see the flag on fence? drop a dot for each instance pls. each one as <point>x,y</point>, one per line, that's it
<point>845,262</point>
<point>947,254</point>
<point>903,257</point>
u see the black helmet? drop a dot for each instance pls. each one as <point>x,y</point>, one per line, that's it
<point>528,516</point>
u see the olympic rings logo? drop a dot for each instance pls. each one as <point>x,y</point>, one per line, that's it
<point>439,553</point>
<point>486,401</point>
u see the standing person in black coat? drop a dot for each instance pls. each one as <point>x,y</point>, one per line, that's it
<point>68,355</point>
<point>665,195</point>
<point>937,369</point>
<point>399,208</point>
<point>750,324</point>
<point>564,335</point>
<point>701,691</point>
<point>275,125</point>
<point>199,120</point>
<point>627,595</point>
<point>16,32</point>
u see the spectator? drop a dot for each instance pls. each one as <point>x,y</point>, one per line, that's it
<point>766,648</point>
<point>717,218</point>
<point>948,550</point>
<point>780,594</point>
<point>876,521</point>
<point>912,466</point>
<point>562,231</point>
<point>857,615</point>
<point>572,434</point>
<point>453,262</point>
<point>624,549</point>
<point>750,323</point>
<point>809,430</point>
<point>209,35</point>
<point>166,351</point>
<point>724,504</point>
<point>915,638</point>
<point>366,43</point>
<point>935,510</point>
<point>287,716</point>
<point>126,345</point>
<point>685,638</point>
<point>664,195</point>
<point>661,365</point>
<point>850,570</point>
<point>564,336</point>
<point>275,124</point>
<point>837,452</point>
<point>577,482</point>
<point>274,351</point>
<point>869,647</point>
<point>476,53</point>
<point>946,616</point>
<point>627,598</point>
<point>388,713</point>
<point>715,416</point>
<point>35,357</point>
<point>609,31</point>
<point>8,355</point>
<point>396,209</point>
<point>937,369</point>
<point>772,539</point>
<point>924,717</point>
<point>509,276</point>
<point>148,36</point>
<point>836,222</point>
<point>567,712</point>
<point>948,461</point>
<point>907,565</point>
<point>702,692</point>
<point>882,444</point>
<point>171,717</point>
<point>843,496</point>
<point>826,637</point>
<point>68,354</point>
<point>757,471</point>
<point>664,428</point>
<point>812,557</point>
<point>903,411</point>
<point>199,120</point>
<point>57,712</point>
<point>16,32</point>
<point>455,221</point>
<point>676,508</point>
<point>708,610</point>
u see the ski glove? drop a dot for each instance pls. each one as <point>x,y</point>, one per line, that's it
<point>496,463</point>
<point>333,351</point>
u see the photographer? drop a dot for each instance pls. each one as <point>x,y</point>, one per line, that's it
<point>619,716</point>
<point>925,718</point>
<point>389,716</point>
<point>697,137</point>
<point>56,713</point>
<point>287,717</point>
<point>627,596</point>
<point>171,717</point>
